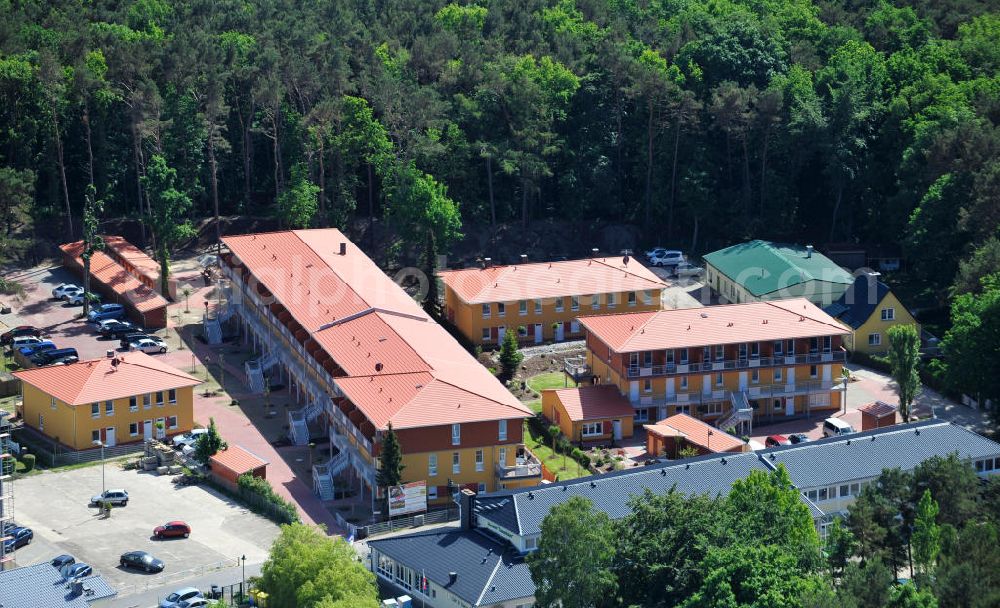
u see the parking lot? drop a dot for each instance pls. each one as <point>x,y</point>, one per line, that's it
<point>54,506</point>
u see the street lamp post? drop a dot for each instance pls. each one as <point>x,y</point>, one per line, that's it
<point>104,486</point>
<point>243,585</point>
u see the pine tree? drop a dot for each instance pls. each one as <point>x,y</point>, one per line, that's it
<point>510,355</point>
<point>390,472</point>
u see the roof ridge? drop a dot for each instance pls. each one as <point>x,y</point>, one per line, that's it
<point>804,316</point>
<point>505,271</point>
<point>626,270</point>
<point>327,264</point>
<point>489,579</point>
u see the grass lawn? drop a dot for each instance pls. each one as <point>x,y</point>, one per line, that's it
<point>553,461</point>
<point>547,380</point>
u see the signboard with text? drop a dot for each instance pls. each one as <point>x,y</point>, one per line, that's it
<point>408,498</point>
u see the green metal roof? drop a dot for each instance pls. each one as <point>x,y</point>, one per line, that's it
<point>762,267</point>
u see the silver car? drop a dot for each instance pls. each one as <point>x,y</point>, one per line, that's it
<point>148,346</point>
<point>685,269</point>
<point>116,497</point>
<point>177,598</point>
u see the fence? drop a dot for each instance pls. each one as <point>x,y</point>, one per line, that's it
<point>412,521</point>
<point>255,502</point>
<point>168,580</point>
<point>51,454</point>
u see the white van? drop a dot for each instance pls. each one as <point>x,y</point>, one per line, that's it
<point>834,427</point>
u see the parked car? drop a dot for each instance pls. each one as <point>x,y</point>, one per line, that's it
<point>49,357</point>
<point>128,339</point>
<point>21,330</point>
<point>65,360</point>
<point>774,441</point>
<point>181,595</point>
<point>77,298</point>
<point>17,537</point>
<point>22,341</point>
<point>141,561</point>
<point>835,427</point>
<point>148,346</point>
<point>686,269</point>
<point>666,257</point>
<point>172,529</point>
<point>106,311</point>
<point>116,497</point>
<point>76,570</point>
<point>64,291</point>
<point>798,438</point>
<point>37,347</point>
<point>114,329</point>
<point>189,438</point>
<point>61,561</point>
<point>198,602</point>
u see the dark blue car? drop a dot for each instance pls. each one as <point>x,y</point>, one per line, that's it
<point>17,537</point>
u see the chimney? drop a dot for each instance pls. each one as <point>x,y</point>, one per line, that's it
<point>595,251</point>
<point>487,262</point>
<point>110,354</point>
<point>524,258</point>
<point>452,577</point>
<point>343,248</point>
<point>809,251</point>
<point>466,503</point>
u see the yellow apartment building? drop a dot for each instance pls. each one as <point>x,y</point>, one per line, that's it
<point>730,364</point>
<point>542,300</point>
<point>869,309</point>
<point>127,398</point>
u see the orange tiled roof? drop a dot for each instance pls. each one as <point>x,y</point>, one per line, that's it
<point>696,432</point>
<point>549,280</point>
<point>135,256</point>
<point>238,460</point>
<point>725,324</point>
<point>593,402</point>
<point>879,409</point>
<point>95,380</point>
<point>112,274</point>
<point>401,366</point>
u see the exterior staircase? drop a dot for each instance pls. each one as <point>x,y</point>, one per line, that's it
<point>324,474</point>
<point>312,410</point>
<point>213,331</point>
<point>255,376</point>
<point>741,413</point>
<point>298,427</point>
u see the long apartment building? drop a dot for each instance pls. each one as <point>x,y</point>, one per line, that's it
<point>360,354</point>
<point>542,300</point>
<point>730,363</point>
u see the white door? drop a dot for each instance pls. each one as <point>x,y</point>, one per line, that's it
<point>743,381</point>
<point>790,378</point>
<point>706,384</point>
<point>670,388</point>
<point>616,427</point>
<point>827,373</point>
<point>109,437</point>
<point>559,332</point>
<point>789,406</point>
<point>633,390</point>
<point>500,332</point>
<point>147,429</point>
<point>538,333</point>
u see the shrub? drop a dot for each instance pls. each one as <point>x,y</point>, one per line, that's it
<point>282,510</point>
<point>554,431</point>
<point>28,460</point>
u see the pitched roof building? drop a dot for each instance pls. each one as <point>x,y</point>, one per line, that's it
<point>42,585</point>
<point>870,308</point>
<point>765,270</point>
<point>670,435</point>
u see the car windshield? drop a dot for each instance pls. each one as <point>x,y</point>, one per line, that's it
<point>146,559</point>
<point>173,597</point>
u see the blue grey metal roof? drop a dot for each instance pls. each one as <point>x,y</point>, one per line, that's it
<point>858,303</point>
<point>522,511</point>
<point>864,455</point>
<point>42,585</point>
<point>489,572</point>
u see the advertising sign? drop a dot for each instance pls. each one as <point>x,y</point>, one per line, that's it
<point>408,498</point>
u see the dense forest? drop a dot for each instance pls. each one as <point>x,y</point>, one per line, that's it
<point>699,122</point>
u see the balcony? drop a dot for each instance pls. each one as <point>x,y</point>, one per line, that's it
<point>753,391</point>
<point>577,368</point>
<point>525,465</point>
<point>642,371</point>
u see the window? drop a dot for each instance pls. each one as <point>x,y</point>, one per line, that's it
<point>713,409</point>
<point>486,334</point>
<point>647,386</point>
<point>574,327</point>
<point>171,422</point>
<point>133,428</point>
<point>755,376</point>
<point>482,487</point>
<point>845,491</point>
<point>503,430</point>
<point>147,401</point>
<point>480,464</point>
<point>159,398</point>
<point>777,348</point>
<point>574,303</point>
<point>486,311</point>
<point>502,457</point>
<point>591,429</point>
<point>41,422</point>
<point>612,300</point>
<point>874,339</point>
<point>684,382</point>
<point>109,408</point>
<point>538,306</point>
<point>95,435</point>
<point>827,343</point>
<point>522,307</point>
<point>718,379</point>
<point>812,371</point>
<point>755,350</point>
<point>631,298</point>
<point>432,465</point>
<point>777,374</point>
<point>559,304</point>
<point>823,494</point>
<point>647,358</point>
<point>595,301</point>
<point>456,466</point>
<point>811,495</point>
<point>720,352</point>
<point>855,489</point>
<point>531,542</point>
<point>172,395</point>
<point>888,314</point>
<point>501,309</point>
<point>432,492</point>
<point>52,402</point>
<point>456,434</point>
<point>95,410</point>
<point>133,404</point>
<point>641,415</point>
<point>647,297</point>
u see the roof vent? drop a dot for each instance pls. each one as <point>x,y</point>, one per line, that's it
<point>663,472</point>
<point>531,496</point>
<point>378,367</point>
<point>873,437</point>
<point>809,251</point>
<point>593,484</point>
<point>723,460</point>
<point>564,488</point>
<point>704,315</point>
<point>110,354</point>
<point>524,258</point>
<point>594,251</point>
<point>772,456</point>
<point>487,262</point>
<point>848,442</point>
<point>452,577</point>
<point>343,248</point>
<point>917,431</point>
<point>686,466</point>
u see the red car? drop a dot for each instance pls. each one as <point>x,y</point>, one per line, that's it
<point>172,529</point>
<point>21,330</point>
<point>774,441</point>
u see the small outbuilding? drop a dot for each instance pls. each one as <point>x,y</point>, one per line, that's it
<point>590,413</point>
<point>671,435</point>
<point>228,464</point>
<point>877,415</point>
